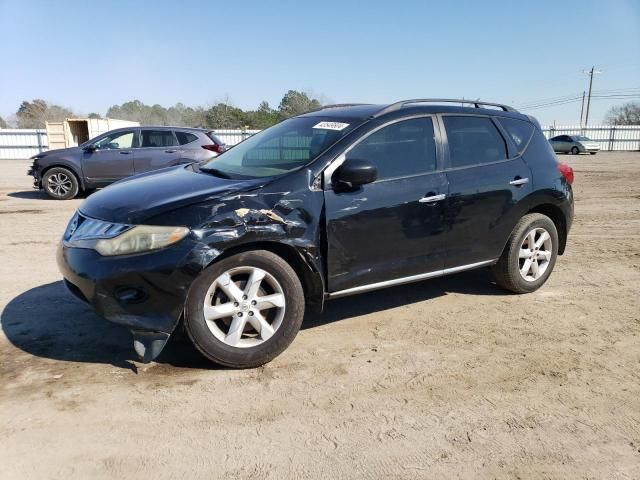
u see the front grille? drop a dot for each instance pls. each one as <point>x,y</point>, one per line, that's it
<point>81,227</point>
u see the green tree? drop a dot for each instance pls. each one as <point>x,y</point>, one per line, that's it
<point>294,103</point>
<point>36,113</point>
<point>94,115</point>
<point>3,124</point>
<point>263,117</point>
<point>225,116</point>
<point>627,114</point>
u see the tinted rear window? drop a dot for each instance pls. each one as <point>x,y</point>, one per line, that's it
<point>519,131</point>
<point>184,137</point>
<point>158,138</point>
<point>473,141</point>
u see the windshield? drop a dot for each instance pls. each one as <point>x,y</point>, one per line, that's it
<point>284,147</point>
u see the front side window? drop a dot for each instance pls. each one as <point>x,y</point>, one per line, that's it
<point>473,141</point>
<point>401,149</point>
<point>279,149</point>
<point>158,138</point>
<point>115,141</point>
<point>519,131</point>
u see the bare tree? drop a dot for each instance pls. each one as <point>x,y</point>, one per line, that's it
<point>36,113</point>
<point>627,114</point>
<point>3,124</point>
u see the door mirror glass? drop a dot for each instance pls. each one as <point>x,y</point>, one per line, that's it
<point>353,173</point>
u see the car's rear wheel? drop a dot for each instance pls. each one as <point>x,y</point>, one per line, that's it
<point>593,153</point>
<point>530,254</point>
<point>245,310</point>
<point>60,183</point>
<point>575,150</point>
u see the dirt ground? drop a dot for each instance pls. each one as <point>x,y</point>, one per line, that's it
<point>448,378</point>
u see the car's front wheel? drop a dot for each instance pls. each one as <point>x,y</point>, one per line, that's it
<point>60,183</point>
<point>575,150</point>
<point>530,254</point>
<point>245,310</point>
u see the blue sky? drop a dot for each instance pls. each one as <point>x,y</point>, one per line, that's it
<point>89,55</point>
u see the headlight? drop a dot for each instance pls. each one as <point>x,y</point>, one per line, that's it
<point>141,239</point>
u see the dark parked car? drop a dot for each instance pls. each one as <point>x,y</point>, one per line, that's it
<point>334,202</point>
<point>118,154</point>
<point>574,144</point>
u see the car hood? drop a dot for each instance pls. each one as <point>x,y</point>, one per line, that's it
<point>138,198</point>
<point>59,151</point>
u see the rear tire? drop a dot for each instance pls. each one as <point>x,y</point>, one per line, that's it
<point>60,183</point>
<point>530,255</point>
<point>254,305</point>
<point>575,150</point>
<point>593,153</point>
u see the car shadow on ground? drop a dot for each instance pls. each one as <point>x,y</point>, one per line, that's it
<point>41,195</point>
<point>475,282</point>
<point>30,195</point>
<point>48,322</point>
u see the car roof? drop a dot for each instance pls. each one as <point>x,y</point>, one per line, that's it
<point>366,111</point>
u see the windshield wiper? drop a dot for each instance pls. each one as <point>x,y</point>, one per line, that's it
<point>216,172</point>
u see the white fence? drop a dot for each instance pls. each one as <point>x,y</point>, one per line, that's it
<point>610,137</point>
<point>22,144</point>
<point>18,144</point>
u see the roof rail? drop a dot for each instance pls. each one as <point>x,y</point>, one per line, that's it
<point>336,105</point>
<point>477,103</point>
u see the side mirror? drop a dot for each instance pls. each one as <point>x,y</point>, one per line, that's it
<point>90,148</point>
<point>353,173</point>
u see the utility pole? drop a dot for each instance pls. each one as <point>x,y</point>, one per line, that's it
<point>591,73</point>
<point>582,108</point>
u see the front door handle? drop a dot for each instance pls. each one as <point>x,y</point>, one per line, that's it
<point>125,153</point>
<point>432,198</point>
<point>518,181</point>
<point>170,151</point>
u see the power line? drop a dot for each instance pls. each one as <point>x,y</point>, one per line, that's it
<point>531,103</point>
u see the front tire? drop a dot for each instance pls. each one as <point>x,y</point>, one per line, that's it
<point>60,183</point>
<point>530,255</point>
<point>245,310</point>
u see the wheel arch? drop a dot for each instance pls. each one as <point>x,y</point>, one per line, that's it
<point>69,167</point>
<point>558,218</point>
<point>311,279</point>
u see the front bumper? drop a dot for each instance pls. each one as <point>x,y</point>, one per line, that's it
<point>145,292</point>
<point>34,172</point>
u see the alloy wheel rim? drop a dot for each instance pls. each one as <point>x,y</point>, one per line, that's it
<point>244,307</point>
<point>60,184</point>
<point>535,254</point>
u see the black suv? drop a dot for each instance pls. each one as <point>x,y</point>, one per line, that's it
<point>338,201</point>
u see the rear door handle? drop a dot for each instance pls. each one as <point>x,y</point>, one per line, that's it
<point>125,153</point>
<point>432,198</point>
<point>170,151</point>
<point>518,181</point>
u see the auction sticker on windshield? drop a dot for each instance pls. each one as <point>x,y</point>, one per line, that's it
<point>331,125</point>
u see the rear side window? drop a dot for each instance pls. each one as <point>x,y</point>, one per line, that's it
<point>184,137</point>
<point>215,139</point>
<point>519,131</point>
<point>473,141</point>
<point>158,138</point>
<point>400,149</point>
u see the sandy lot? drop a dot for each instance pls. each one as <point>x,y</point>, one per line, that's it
<point>449,378</point>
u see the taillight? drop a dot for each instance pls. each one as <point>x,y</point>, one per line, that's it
<point>214,147</point>
<point>566,171</point>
